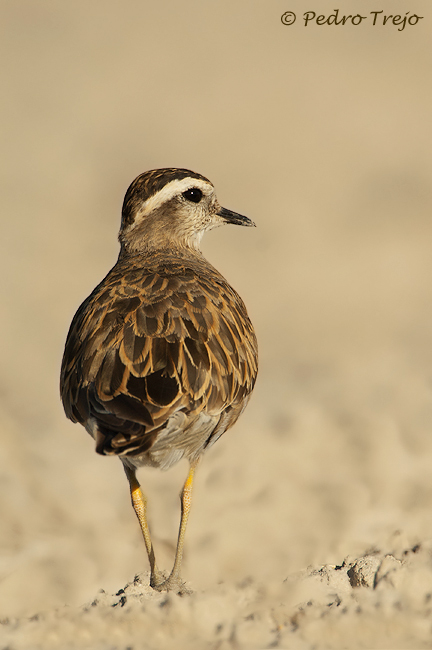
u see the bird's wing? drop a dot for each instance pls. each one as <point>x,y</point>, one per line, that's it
<point>138,352</point>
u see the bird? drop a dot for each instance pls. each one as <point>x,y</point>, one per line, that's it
<point>161,358</point>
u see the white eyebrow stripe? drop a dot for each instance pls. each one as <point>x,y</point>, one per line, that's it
<point>170,190</point>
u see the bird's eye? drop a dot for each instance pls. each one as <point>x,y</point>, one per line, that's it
<point>194,195</point>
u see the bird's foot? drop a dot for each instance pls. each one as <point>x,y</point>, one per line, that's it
<point>172,583</point>
<point>157,577</point>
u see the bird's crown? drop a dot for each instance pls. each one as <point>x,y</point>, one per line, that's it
<point>150,184</point>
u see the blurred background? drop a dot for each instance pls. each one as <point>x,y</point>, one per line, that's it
<point>320,134</point>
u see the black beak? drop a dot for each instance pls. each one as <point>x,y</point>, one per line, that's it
<point>234,217</point>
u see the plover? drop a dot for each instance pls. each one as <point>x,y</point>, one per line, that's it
<point>161,358</point>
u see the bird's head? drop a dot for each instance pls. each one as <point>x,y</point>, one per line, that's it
<point>171,207</point>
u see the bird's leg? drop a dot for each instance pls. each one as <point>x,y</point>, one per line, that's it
<point>139,503</point>
<point>174,581</point>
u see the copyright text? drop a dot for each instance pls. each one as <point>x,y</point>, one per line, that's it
<point>376,18</point>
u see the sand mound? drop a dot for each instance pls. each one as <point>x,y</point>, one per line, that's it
<point>378,600</point>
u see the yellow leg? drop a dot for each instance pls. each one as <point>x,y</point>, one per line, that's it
<point>139,503</point>
<point>174,582</point>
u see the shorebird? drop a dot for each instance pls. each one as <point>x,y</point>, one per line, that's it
<point>161,358</point>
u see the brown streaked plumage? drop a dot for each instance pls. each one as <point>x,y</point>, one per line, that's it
<point>161,358</point>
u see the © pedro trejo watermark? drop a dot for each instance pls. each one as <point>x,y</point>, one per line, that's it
<point>375,18</point>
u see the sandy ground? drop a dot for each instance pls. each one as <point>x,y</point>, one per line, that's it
<point>374,601</point>
<point>311,524</point>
